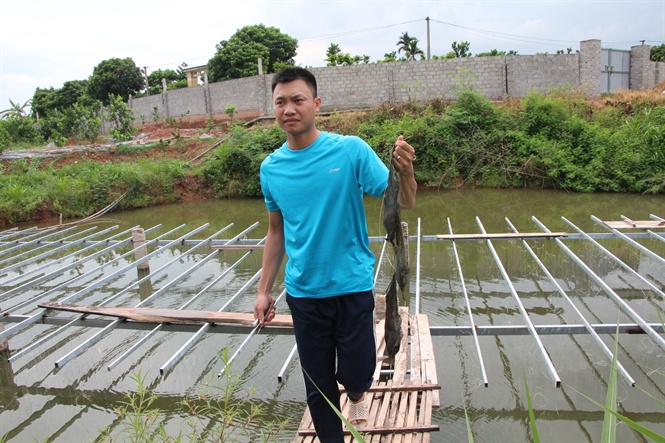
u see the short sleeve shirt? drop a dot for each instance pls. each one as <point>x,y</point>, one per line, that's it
<point>319,191</point>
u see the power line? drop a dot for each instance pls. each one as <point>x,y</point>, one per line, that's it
<point>508,36</point>
<point>521,38</point>
<point>359,31</point>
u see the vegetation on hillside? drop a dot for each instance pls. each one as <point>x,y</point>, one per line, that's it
<point>556,141</point>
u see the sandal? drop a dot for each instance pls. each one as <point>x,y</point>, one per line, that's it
<point>358,412</point>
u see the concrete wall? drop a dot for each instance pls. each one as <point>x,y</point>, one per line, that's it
<point>365,86</point>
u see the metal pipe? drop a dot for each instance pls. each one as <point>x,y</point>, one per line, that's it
<point>418,269</point>
<point>647,251</point>
<point>287,363</point>
<point>13,232</point>
<point>40,256</point>
<point>104,302</point>
<point>619,261</point>
<point>532,330</point>
<point>439,331</point>
<point>492,330</point>
<point>188,345</point>
<point>468,308</point>
<point>94,339</point>
<point>587,325</point>
<point>76,278</point>
<point>622,304</point>
<point>378,265</point>
<point>21,243</point>
<point>184,306</point>
<point>39,315</point>
<point>660,237</point>
<point>61,269</point>
<point>254,332</point>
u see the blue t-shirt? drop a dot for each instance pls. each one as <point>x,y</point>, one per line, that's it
<point>319,191</point>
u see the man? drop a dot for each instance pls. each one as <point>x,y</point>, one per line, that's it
<point>313,188</point>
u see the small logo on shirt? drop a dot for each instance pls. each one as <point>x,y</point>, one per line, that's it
<point>333,170</point>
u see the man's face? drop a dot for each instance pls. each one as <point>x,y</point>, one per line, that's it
<point>295,107</point>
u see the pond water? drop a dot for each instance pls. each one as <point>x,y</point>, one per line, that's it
<point>74,402</point>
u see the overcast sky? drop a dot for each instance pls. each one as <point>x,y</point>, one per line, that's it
<point>44,43</point>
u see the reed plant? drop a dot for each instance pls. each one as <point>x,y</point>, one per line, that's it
<point>221,413</point>
<point>609,407</point>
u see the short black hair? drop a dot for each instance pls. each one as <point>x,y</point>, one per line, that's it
<point>290,74</point>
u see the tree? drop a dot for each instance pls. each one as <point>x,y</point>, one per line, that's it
<point>332,51</point>
<point>389,57</point>
<point>237,57</point>
<point>658,53</point>
<point>175,78</point>
<point>115,76</point>
<point>17,110</point>
<point>409,45</point>
<point>335,57</point>
<point>461,49</point>
<point>46,100</point>
<point>43,100</point>
<point>70,93</point>
<point>496,52</point>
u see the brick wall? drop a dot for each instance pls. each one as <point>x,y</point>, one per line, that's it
<point>364,86</point>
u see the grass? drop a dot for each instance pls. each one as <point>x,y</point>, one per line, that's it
<point>218,414</point>
<point>611,416</point>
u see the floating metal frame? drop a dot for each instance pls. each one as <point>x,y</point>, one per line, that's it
<point>30,247</point>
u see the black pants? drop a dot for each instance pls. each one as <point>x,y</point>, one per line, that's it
<point>336,343</point>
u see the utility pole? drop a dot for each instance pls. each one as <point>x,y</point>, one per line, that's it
<point>147,86</point>
<point>428,53</point>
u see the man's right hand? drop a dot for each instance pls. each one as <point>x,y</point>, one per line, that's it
<point>264,309</point>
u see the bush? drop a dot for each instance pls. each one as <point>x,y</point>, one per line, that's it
<point>233,170</point>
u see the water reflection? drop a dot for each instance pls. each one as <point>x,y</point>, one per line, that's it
<point>497,413</point>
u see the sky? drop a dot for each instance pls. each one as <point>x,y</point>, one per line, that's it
<point>44,43</point>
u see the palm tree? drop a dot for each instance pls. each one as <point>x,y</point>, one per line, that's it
<point>332,54</point>
<point>409,45</point>
<point>16,110</point>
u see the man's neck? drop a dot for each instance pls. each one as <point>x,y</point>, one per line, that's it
<point>302,141</point>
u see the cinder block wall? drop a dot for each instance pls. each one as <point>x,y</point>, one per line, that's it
<point>364,86</point>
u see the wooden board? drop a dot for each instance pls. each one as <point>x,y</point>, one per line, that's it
<point>639,224</point>
<point>155,315</point>
<point>400,407</point>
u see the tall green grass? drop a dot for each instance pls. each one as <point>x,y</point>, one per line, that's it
<point>220,413</point>
<point>609,407</point>
<point>30,189</point>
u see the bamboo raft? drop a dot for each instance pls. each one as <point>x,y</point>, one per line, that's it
<point>400,408</point>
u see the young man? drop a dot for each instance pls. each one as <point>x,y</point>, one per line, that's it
<point>313,188</point>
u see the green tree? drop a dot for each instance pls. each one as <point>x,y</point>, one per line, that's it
<point>335,57</point>
<point>390,57</point>
<point>121,116</point>
<point>43,100</point>
<point>496,52</point>
<point>70,93</point>
<point>237,57</point>
<point>450,54</point>
<point>409,45</point>
<point>17,110</point>
<point>461,49</point>
<point>492,53</point>
<point>115,76</point>
<point>177,79</point>
<point>332,51</point>
<point>658,53</point>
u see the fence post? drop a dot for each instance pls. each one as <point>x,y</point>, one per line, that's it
<point>590,60</point>
<point>642,69</point>
<point>165,99</point>
<point>138,240</point>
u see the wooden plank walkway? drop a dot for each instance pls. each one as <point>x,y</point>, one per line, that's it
<point>401,403</point>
